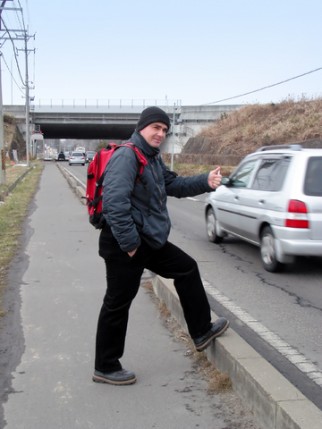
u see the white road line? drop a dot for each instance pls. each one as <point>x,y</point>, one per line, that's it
<point>296,358</point>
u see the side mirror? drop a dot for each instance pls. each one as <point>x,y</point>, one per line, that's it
<point>225,181</point>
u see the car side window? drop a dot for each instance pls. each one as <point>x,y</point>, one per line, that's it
<point>242,176</point>
<point>271,174</point>
<point>313,177</point>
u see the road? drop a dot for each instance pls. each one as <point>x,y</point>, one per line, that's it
<point>280,315</point>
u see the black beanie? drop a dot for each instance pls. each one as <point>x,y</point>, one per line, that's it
<point>150,115</point>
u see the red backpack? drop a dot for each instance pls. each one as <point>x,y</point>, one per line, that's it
<point>95,177</point>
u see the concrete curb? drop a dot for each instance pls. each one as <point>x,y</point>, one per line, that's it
<point>275,402</point>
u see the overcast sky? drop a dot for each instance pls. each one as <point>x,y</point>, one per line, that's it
<point>191,51</point>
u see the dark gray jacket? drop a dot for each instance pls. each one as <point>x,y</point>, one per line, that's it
<point>135,207</point>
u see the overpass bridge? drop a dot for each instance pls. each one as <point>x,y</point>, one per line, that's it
<point>114,122</point>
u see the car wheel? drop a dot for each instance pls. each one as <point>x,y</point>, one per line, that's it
<point>211,224</point>
<point>268,251</point>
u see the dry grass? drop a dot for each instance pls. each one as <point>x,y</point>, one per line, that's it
<point>11,174</point>
<point>217,381</point>
<point>12,214</point>
<point>244,130</point>
<point>192,169</point>
<point>189,169</point>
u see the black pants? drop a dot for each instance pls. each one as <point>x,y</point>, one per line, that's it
<point>123,276</point>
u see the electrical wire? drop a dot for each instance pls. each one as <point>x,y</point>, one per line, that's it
<point>265,87</point>
<point>23,21</point>
<point>26,30</point>
<point>17,14</point>
<point>6,64</point>
<point>22,28</point>
<point>14,51</point>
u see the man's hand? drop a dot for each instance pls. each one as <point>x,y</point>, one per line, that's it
<point>214,178</point>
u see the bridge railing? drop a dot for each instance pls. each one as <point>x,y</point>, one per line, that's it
<point>87,102</point>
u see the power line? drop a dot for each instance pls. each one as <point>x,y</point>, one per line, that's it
<point>23,21</point>
<point>14,51</point>
<point>266,87</point>
<point>25,37</point>
<point>18,16</point>
<point>12,77</point>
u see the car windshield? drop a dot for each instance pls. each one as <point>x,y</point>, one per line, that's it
<point>77,154</point>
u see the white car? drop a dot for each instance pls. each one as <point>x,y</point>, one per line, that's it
<point>273,200</point>
<point>77,158</point>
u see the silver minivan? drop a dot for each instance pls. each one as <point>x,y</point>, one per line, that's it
<point>273,199</point>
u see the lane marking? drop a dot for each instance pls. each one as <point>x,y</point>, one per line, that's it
<point>291,354</point>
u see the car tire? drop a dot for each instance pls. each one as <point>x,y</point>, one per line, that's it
<point>211,225</point>
<point>268,251</point>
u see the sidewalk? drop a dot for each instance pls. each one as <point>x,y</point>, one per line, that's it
<point>275,402</point>
<point>56,288</point>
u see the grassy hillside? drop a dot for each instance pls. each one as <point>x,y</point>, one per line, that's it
<point>252,126</point>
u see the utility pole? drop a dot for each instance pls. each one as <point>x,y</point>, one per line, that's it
<point>2,150</point>
<point>26,51</point>
<point>24,37</point>
<point>27,104</point>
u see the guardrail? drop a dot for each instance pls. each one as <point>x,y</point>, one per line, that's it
<point>141,103</point>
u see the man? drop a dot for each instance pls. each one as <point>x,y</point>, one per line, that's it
<point>135,237</point>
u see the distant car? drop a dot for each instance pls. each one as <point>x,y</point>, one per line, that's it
<point>77,158</point>
<point>90,155</point>
<point>273,200</point>
<point>61,156</point>
<point>67,155</point>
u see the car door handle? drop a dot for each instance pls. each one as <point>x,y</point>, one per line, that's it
<point>261,201</point>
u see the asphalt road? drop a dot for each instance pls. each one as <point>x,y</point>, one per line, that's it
<point>280,314</point>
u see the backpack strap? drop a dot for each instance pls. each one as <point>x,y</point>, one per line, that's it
<point>139,155</point>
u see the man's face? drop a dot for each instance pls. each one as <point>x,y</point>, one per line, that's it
<point>155,133</point>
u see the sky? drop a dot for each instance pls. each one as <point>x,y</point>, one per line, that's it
<point>188,52</point>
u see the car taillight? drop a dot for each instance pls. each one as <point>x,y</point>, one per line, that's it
<point>297,215</point>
